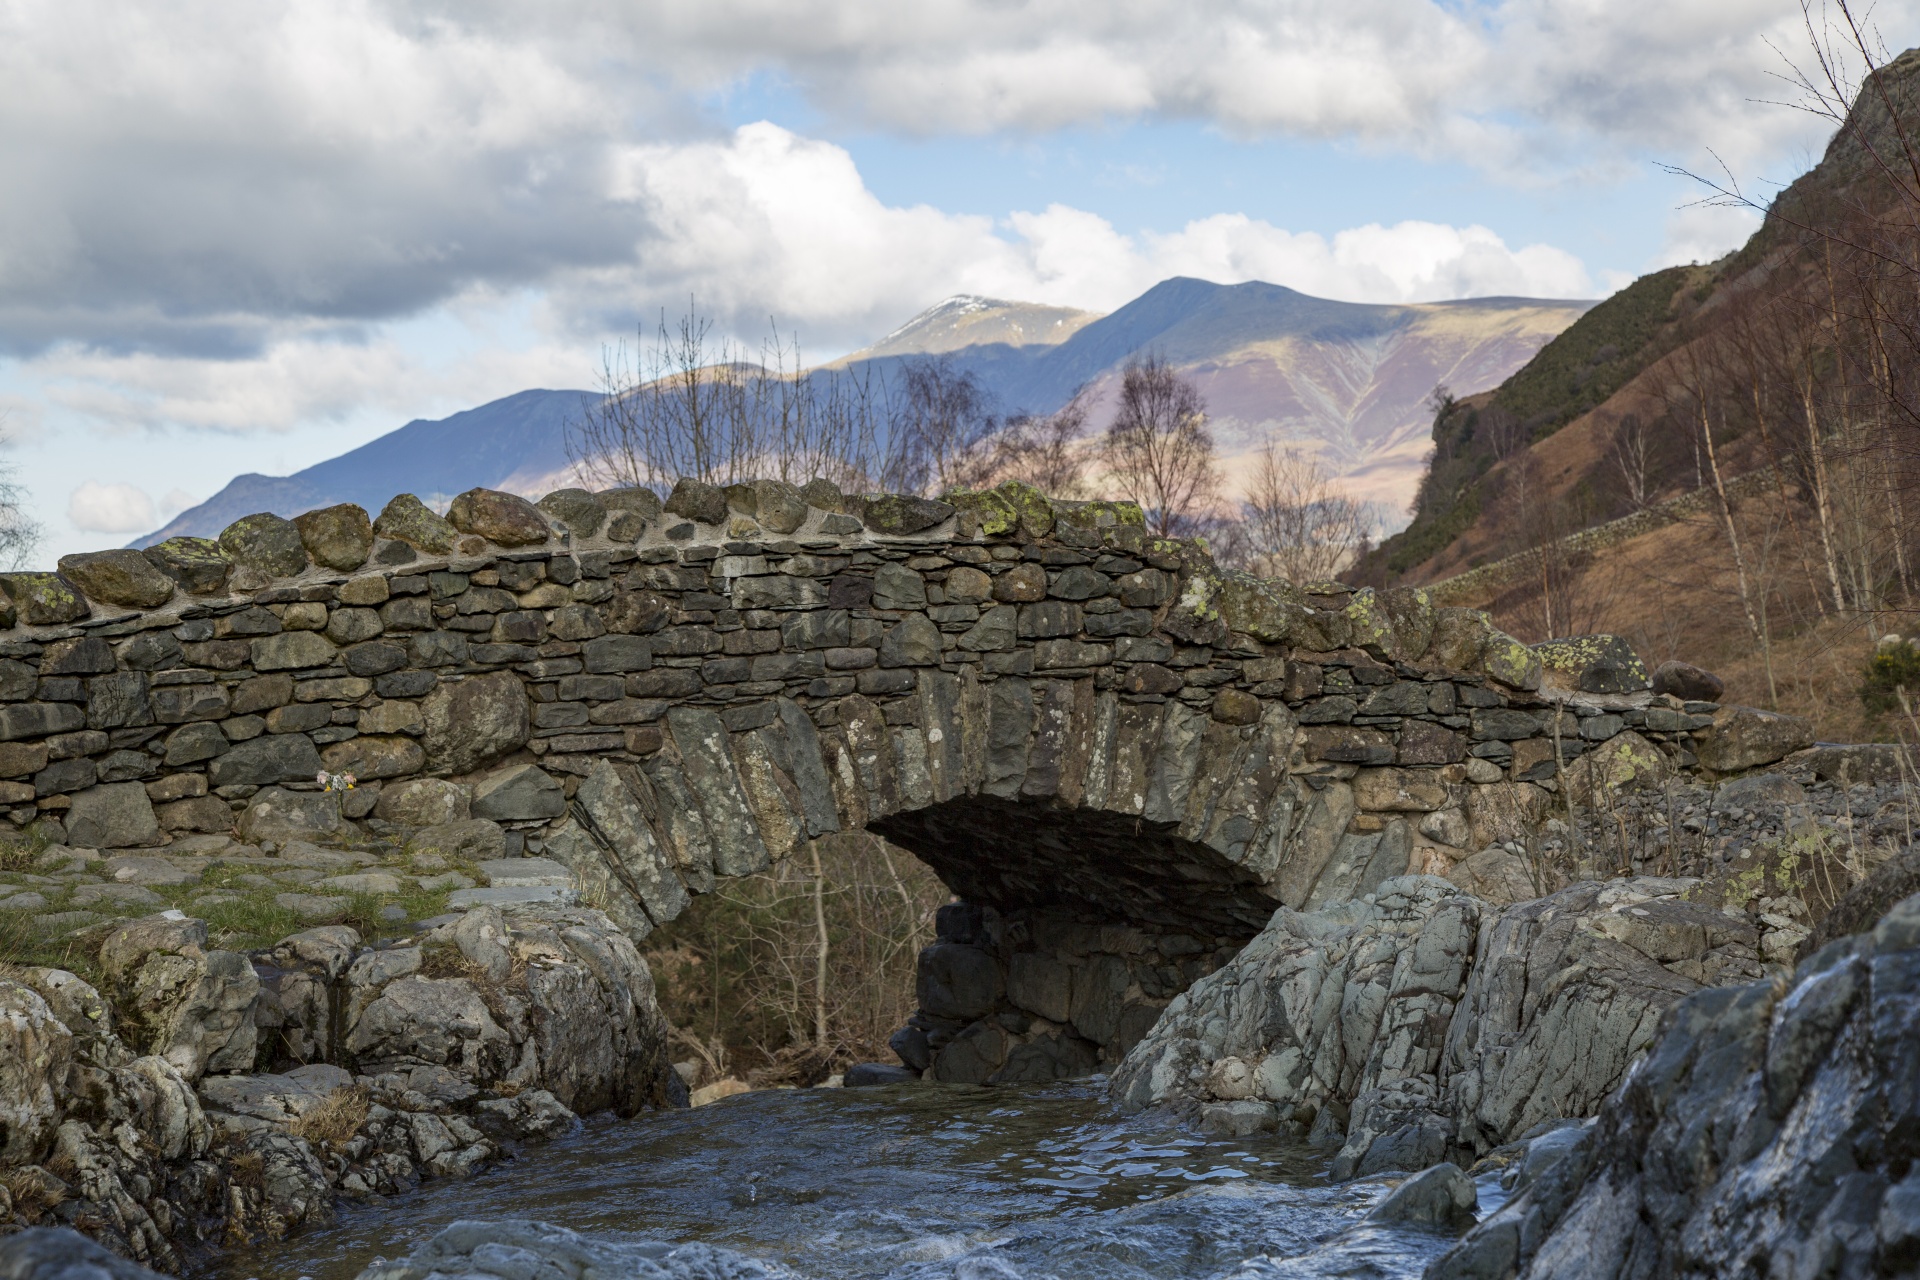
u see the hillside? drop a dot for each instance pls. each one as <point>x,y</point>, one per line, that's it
<point>1560,413</point>
<point>1719,462</point>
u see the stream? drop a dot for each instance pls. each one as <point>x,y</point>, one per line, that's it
<point>911,1182</point>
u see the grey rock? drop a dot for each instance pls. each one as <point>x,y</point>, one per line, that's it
<point>199,565</point>
<point>338,537</point>
<point>36,1049</point>
<point>912,642</point>
<point>275,757</point>
<point>1442,1197</point>
<point>521,792</point>
<point>464,840</point>
<point>864,1074</point>
<point>123,577</point>
<point>900,514</point>
<point>409,520</point>
<point>115,815</point>
<point>957,981</point>
<point>696,501</point>
<point>425,802</point>
<point>283,816</point>
<point>180,1000</point>
<point>475,721</point>
<point>60,1253</point>
<point>1594,664</point>
<point>1742,738</point>
<point>1687,683</point>
<point>579,510</point>
<point>503,518</point>
<point>266,544</point>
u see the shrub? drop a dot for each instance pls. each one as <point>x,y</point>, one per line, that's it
<point>1893,669</point>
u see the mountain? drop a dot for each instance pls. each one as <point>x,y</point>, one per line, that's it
<point>518,444</point>
<point>1349,380</point>
<point>966,320</point>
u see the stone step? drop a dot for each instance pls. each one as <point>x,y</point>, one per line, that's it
<point>552,895</point>
<point>525,873</point>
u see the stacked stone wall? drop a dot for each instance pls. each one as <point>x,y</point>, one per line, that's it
<point>1081,727</point>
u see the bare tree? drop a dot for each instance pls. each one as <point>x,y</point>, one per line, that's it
<point>945,430</point>
<point>1045,450</point>
<point>1158,450</point>
<point>1632,457</point>
<point>1297,526</point>
<point>707,409</point>
<point>19,532</point>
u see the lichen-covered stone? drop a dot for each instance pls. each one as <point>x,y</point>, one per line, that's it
<point>1032,510</point>
<point>1594,664</point>
<point>583,513</point>
<point>123,577</point>
<point>475,721</point>
<point>1510,662</point>
<point>695,500</point>
<point>114,815</point>
<point>899,514</point>
<point>504,519</point>
<point>338,537</point>
<point>778,506</point>
<point>44,599</point>
<point>983,514</point>
<point>407,519</point>
<point>266,544</point>
<point>199,565</point>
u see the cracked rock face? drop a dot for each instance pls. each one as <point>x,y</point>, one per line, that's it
<point>395,1063</point>
<point>1769,1131</point>
<point>1425,1023</point>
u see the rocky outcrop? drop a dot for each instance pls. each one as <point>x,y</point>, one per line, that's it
<point>1771,1130</point>
<point>142,1116</point>
<point>1421,1023</point>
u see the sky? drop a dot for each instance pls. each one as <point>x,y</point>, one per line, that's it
<point>248,235</point>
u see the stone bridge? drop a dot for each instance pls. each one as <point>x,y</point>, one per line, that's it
<point>1119,757</point>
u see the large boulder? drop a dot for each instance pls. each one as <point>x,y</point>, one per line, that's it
<point>1426,1023</point>
<point>197,564</point>
<point>274,814</point>
<point>35,1051</point>
<point>338,537</point>
<point>1687,682</point>
<point>519,793</point>
<point>266,544</point>
<point>1770,1132</point>
<point>114,815</point>
<point>1743,738</point>
<point>178,998</point>
<point>475,721</point>
<point>1593,664</point>
<point>122,576</point>
<point>501,518</point>
<point>424,802</point>
<point>434,1022</point>
<point>407,519</point>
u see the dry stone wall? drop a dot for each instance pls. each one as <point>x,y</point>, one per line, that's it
<point>1120,757</point>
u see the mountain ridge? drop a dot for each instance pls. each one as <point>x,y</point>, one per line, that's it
<point>1345,379</point>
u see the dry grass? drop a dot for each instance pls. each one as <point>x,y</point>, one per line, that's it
<point>1673,593</point>
<point>336,1120</point>
<point>33,1191</point>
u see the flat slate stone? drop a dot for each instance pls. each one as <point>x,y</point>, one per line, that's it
<point>525,873</point>
<point>508,899</point>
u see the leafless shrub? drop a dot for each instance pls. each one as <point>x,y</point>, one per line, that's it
<point>1294,523</point>
<point>1158,451</point>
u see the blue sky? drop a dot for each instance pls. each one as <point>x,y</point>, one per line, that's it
<point>246,236</point>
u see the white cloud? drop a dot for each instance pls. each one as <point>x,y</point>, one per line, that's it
<point>110,508</point>
<point>196,183</point>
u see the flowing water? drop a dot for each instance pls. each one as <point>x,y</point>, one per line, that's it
<point>912,1182</point>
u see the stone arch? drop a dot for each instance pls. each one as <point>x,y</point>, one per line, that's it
<point>1120,757</point>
